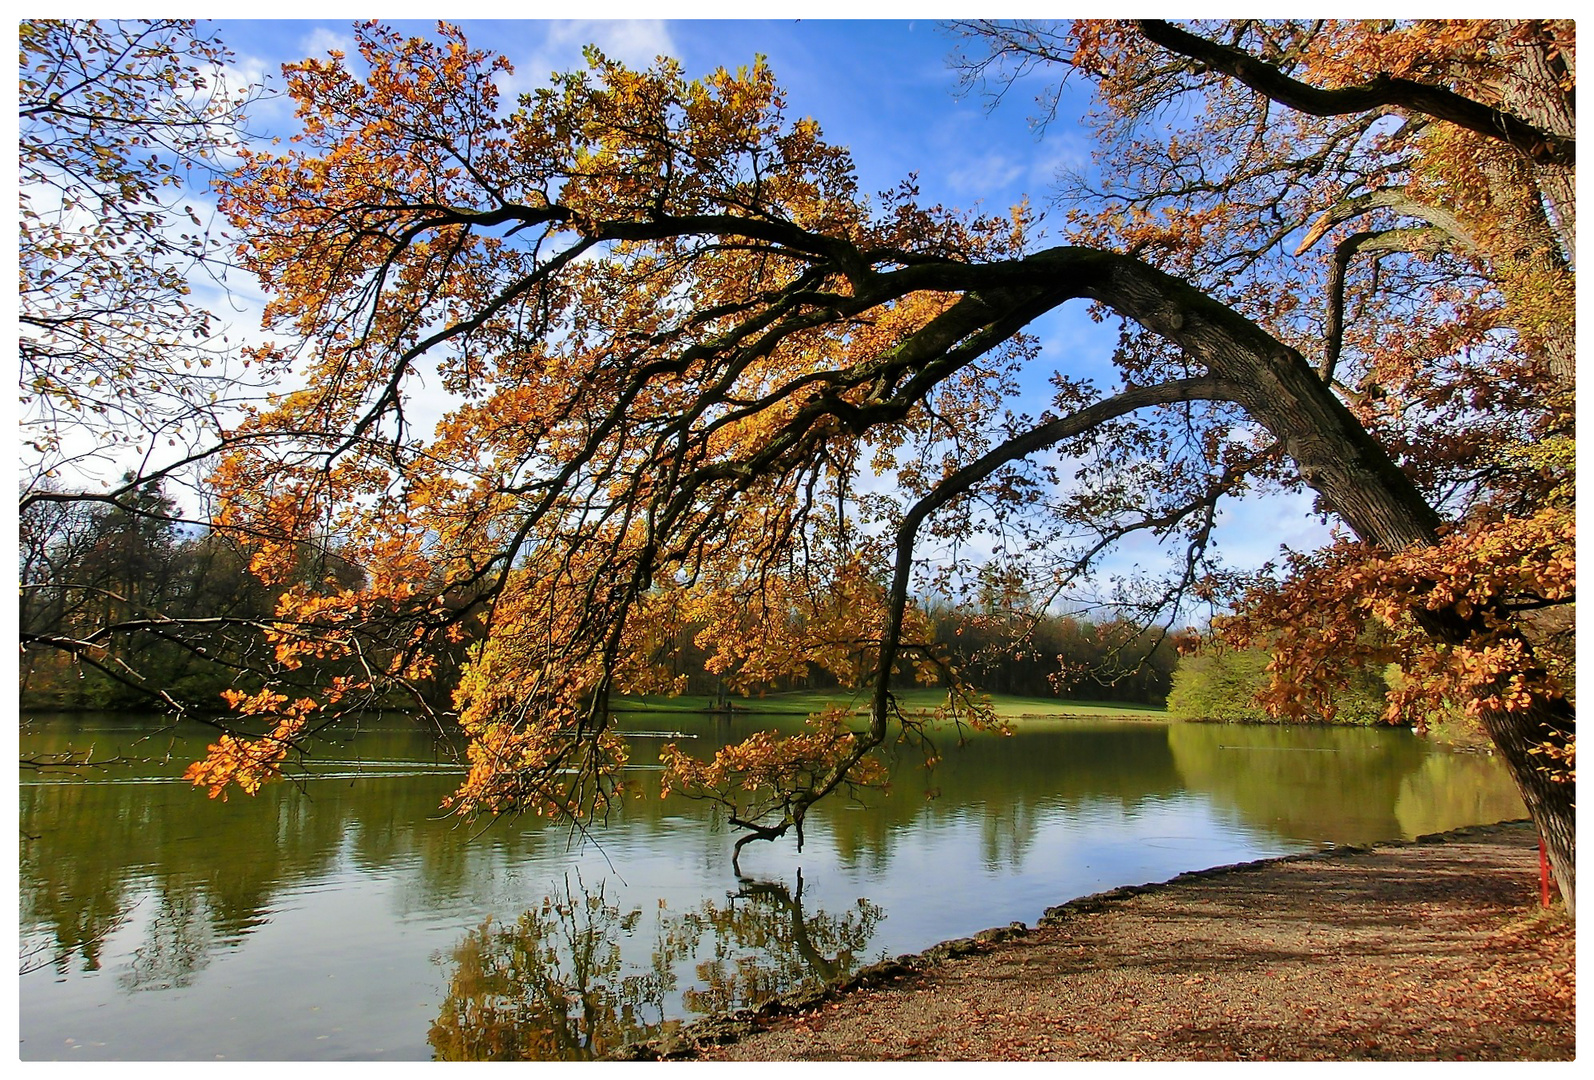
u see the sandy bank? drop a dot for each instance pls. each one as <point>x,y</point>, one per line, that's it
<point>1435,949</point>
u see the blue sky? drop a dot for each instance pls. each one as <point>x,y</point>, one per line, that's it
<point>885,89</point>
<point>881,87</point>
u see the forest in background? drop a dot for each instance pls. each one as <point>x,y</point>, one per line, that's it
<point>87,565</point>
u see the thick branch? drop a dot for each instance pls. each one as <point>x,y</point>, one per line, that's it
<point>1539,146</point>
<point>964,479</point>
<point>1398,201</point>
<point>1389,240</point>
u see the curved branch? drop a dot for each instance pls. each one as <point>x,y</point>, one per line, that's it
<point>1537,145</point>
<point>1139,397</point>
<point>1388,240</point>
<point>1397,201</point>
<point>959,482</point>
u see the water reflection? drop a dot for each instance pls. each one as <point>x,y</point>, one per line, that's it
<point>178,944</point>
<point>131,845</point>
<point>556,984</point>
<point>143,904</point>
<point>552,985</point>
<point>1335,784</point>
<point>765,944</point>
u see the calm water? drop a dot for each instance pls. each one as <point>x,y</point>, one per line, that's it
<point>347,920</point>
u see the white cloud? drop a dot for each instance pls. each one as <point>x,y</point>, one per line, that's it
<point>1251,531</point>
<point>1062,150</point>
<point>322,40</point>
<point>984,174</point>
<point>634,42</point>
<point>997,160</point>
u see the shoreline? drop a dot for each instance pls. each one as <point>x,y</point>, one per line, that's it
<point>1296,938</point>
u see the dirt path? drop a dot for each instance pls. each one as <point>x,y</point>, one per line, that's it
<point>1432,950</point>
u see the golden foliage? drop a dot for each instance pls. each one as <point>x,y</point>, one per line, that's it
<point>675,336</point>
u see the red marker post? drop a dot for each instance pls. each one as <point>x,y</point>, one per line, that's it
<point>1544,874</point>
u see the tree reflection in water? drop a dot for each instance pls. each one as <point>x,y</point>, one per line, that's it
<point>764,945</point>
<point>555,984</point>
<point>550,986</point>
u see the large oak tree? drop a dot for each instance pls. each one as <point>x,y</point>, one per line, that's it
<point>677,338</point>
<point>1394,199</point>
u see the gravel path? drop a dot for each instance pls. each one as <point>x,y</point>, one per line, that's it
<point>1431,950</point>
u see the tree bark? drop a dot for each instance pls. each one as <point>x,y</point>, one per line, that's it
<point>1533,89</point>
<point>1541,146</point>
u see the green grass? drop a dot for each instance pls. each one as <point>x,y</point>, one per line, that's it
<point>803,702</point>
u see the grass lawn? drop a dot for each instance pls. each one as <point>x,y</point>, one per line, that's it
<point>803,702</point>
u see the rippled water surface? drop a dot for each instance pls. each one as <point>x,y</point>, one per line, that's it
<point>348,919</point>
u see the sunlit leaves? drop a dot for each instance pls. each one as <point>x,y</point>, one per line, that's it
<point>677,342</point>
<point>1350,602</point>
<point>1424,266</point>
<point>248,763</point>
<point>644,293</point>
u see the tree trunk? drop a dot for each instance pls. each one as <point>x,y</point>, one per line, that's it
<point>1356,478</point>
<point>1532,88</point>
<point>1551,804</point>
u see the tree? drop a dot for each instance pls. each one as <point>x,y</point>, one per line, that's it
<point>121,607</point>
<point>1229,685</point>
<point>1018,650</point>
<point>677,334</point>
<point>124,374</point>
<point>113,118</point>
<point>101,566</point>
<point>1438,154</point>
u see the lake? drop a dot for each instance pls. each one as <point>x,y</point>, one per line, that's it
<point>346,918</point>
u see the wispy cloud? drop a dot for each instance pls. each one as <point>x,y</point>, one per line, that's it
<point>635,42</point>
<point>982,173</point>
<point>323,40</point>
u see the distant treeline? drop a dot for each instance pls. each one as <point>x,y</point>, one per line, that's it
<point>1011,652</point>
<point>1227,684</point>
<point>1066,656</point>
<point>86,566</point>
